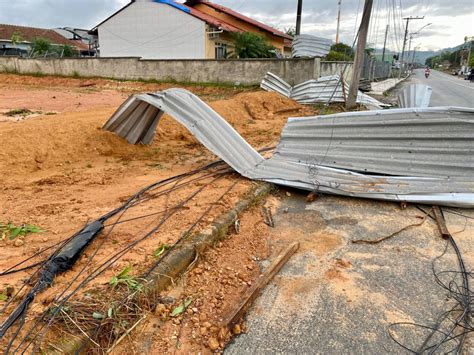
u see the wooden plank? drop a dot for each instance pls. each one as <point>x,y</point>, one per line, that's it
<point>441,222</point>
<point>236,314</point>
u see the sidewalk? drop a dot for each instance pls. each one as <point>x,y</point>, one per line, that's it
<point>378,88</point>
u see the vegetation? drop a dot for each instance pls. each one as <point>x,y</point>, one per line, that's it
<point>451,59</point>
<point>291,31</point>
<point>340,52</point>
<point>41,45</point>
<point>13,231</point>
<point>251,45</point>
<point>16,38</point>
<point>68,51</point>
<point>124,278</point>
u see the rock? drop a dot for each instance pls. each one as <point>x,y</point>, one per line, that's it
<point>213,344</point>
<point>288,194</point>
<point>160,309</point>
<point>286,210</point>
<point>203,331</point>
<point>206,325</point>
<point>236,330</point>
<point>202,317</point>
<point>18,242</point>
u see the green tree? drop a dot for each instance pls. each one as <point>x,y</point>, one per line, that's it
<point>251,45</point>
<point>344,49</point>
<point>16,38</point>
<point>41,45</point>
<point>291,31</point>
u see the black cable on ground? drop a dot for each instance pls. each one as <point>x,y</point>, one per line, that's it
<point>449,331</point>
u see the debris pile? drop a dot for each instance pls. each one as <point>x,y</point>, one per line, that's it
<point>317,153</point>
<point>323,90</point>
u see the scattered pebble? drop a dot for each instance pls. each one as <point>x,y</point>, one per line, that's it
<point>213,344</point>
<point>18,242</point>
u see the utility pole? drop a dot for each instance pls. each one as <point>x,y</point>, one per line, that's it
<point>298,17</point>
<point>384,44</point>
<point>359,56</point>
<point>407,19</point>
<point>338,20</point>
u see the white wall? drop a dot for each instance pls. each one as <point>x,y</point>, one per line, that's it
<point>152,31</point>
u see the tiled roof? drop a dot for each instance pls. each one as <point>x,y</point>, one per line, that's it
<point>239,16</point>
<point>30,33</point>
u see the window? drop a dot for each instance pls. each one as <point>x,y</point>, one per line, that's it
<point>220,50</point>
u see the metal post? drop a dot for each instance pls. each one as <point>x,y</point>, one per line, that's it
<point>359,56</point>
<point>298,17</point>
<point>384,44</point>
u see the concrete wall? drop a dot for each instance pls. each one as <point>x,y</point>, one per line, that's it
<point>331,68</point>
<point>246,72</point>
<point>151,30</point>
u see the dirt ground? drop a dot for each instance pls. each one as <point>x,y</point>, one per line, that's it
<point>60,170</point>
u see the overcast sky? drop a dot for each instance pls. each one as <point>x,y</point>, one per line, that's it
<point>450,20</point>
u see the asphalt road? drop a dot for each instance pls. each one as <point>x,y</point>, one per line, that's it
<point>448,90</point>
<point>336,297</point>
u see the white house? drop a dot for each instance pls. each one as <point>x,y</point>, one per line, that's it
<point>165,29</point>
<point>153,30</point>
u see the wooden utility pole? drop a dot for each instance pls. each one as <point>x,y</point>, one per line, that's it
<point>359,56</point>
<point>408,19</point>
<point>384,44</point>
<point>338,20</point>
<point>298,17</point>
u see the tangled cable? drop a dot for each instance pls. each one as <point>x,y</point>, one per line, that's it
<point>448,332</point>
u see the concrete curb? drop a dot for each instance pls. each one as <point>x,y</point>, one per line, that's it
<point>175,263</point>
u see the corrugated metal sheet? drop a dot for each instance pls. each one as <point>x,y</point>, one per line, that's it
<point>310,46</point>
<point>272,82</point>
<point>415,95</point>
<point>323,90</point>
<point>300,169</point>
<point>416,142</point>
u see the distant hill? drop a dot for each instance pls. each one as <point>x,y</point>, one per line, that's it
<point>420,56</point>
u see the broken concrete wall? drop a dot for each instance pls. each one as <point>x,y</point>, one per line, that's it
<point>245,72</point>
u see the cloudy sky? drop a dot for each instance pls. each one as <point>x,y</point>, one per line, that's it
<point>449,20</point>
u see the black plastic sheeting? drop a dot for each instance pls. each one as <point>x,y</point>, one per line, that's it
<point>60,261</point>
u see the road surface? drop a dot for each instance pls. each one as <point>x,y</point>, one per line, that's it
<point>337,297</point>
<point>448,90</point>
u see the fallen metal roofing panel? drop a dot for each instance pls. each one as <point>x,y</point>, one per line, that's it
<point>323,90</point>
<point>301,171</point>
<point>310,46</point>
<point>415,95</point>
<point>272,82</point>
<point>433,142</point>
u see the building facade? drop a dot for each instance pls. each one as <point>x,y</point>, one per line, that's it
<point>164,29</point>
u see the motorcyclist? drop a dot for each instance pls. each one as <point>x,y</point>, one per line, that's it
<point>427,72</point>
<point>471,75</point>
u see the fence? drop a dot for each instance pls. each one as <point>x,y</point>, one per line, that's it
<point>375,70</point>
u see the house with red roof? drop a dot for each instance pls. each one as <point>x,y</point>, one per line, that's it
<point>165,29</point>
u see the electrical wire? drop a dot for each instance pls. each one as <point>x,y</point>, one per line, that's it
<point>450,329</point>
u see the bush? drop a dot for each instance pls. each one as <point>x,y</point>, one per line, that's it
<point>344,49</point>
<point>334,56</point>
<point>41,45</point>
<point>251,45</point>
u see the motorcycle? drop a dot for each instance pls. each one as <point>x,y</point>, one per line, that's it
<point>427,74</point>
